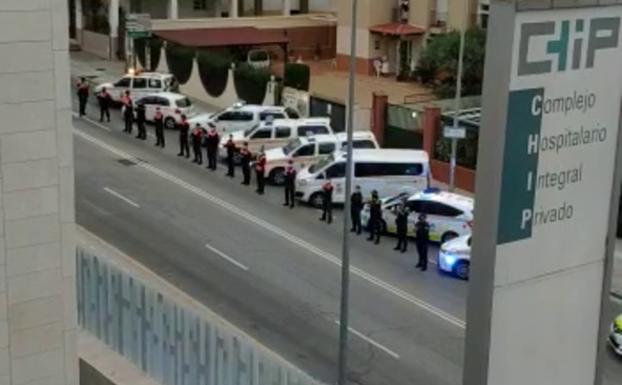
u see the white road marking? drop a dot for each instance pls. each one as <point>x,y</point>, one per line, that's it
<point>124,199</point>
<point>268,226</point>
<point>226,257</point>
<point>93,122</point>
<point>372,342</point>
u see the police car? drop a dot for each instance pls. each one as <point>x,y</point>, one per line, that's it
<point>172,106</point>
<point>450,215</point>
<point>239,117</point>
<point>455,257</point>
<point>139,85</point>
<point>615,337</point>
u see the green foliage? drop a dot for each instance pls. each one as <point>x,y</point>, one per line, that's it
<point>438,66</point>
<point>466,154</point>
<point>180,60</point>
<point>140,46</point>
<point>214,70</point>
<point>297,76</point>
<point>155,45</point>
<point>250,83</point>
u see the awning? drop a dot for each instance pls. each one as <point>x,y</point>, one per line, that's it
<point>397,29</point>
<point>223,37</point>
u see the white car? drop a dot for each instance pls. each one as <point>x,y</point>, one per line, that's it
<point>455,257</point>
<point>449,215</point>
<point>305,151</point>
<point>172,106</point>
<point>277,133</point>
<point>139,85</point>
<point>615,337</point>
<point>239,117</point>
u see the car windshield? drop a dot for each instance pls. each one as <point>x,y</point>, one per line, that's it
<point>321,164</point>
<point>291,146</point>
<point>183,103</point>
<point>248,132</point>
<point>395,198</point>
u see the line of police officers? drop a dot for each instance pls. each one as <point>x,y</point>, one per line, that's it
<point>211,139</point>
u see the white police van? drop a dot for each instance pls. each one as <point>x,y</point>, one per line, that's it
<point>239,117</point>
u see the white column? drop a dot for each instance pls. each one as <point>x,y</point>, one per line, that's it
<point>287,7</point>
<point>233,8</point>
<point>173,9</point>
<point>113,17</point>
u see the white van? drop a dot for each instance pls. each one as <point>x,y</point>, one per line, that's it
<point>305,151</point>
<point>388,171</point>
<point>239,117</point>
<point>276,133</point>
<point>139,85</point>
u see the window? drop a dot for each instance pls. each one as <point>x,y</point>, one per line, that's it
<point>140,83</point>
<point>161,101</point>
<point>226,116</point>
<point>155,83</point>
<point>124,82</point>
<point>240,116</point>
<point>433,208</point>
<point>199,5</point>
<point>275,115</point>
<point>363,144</point>
<point>308,150</point>
<point>387,169</point>
<point>264,133</point>
<point>337,170</point>
<point>312,130</point>
<point>327,148</point>
<point>183,103</point>
<point>283,132</point>
<point>149,100</point>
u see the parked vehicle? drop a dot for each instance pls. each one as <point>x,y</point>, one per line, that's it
<point>455,257</point>
<point>258,58</point>
<point>305,151</point>
<point>450,215</point>
<point>388,171</point>
<point>172,106</point>
<point>615,336</point>
<point>271,134</point>
<point>240,117</point>
<point>139,85</point>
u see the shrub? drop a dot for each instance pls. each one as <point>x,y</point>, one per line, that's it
<point>297,76</point>
<point>180,60</point>
<point>155,45</point>
<point>214,70</point>
<point>250,83</point>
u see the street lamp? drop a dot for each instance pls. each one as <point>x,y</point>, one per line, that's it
<point>345,252</point>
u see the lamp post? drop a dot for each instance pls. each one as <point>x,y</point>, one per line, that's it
<point>345,252</point>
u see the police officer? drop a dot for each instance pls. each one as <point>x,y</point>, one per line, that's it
<point>422,232</point>
<point>246,156</point>
<point>140,121</point>
<point>290,184</point>
<point>128,112</point>
<point>375,218</point>
<point>83,96</point>
<point>104,99</point>
<point>197,141</point>
<point>401,222</point>
<point>158,120</point>
<point>327,202</point>
<point>184,128</point>
<point>356,206</point>
<point>231,148</point>
<point>212,148</point>
<point>260,171</point>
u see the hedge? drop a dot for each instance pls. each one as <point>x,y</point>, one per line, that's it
<point>156,52</point>
<point>297,76</point>
<point>140,46</point>
<point>214,70</point>
<point>250,83</point>
<point>180,60</point>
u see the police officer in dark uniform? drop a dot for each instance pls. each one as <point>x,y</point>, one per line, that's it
<point>356,206</point>
<point>105,100</point>
<point>422,232</point>
<point>140,121</point>
<point>231,148</point>
<point>260,171</point>
<point>184,128</point>
<point>375,218</point>
<point>158,120</point>
<point>83,95</point>
<point>401,222</point>
<point>128,112</point>
<point>246,156</point>
<point>290,184</point>
<point>327,206</point>
<point>197,141</point>
<point>212,148</point>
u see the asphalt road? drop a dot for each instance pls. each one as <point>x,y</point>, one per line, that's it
<point>270,270</point>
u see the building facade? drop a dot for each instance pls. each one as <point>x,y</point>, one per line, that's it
<point>38,313</point>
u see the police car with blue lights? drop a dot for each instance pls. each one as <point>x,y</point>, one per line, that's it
<point>455,257</point>
<point>449,215</point>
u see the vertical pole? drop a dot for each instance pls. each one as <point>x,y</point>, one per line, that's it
<point>454,141</point>
<point>345,254</point>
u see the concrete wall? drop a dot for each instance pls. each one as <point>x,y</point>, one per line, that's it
<point>97,44</point>
<point>37,249</point>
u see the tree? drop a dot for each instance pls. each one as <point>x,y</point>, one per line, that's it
<point>438,66</point>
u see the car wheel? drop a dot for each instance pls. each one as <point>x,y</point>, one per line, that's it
<point>317,200</point>
<point>169,123</point>
<point>461,270</point>
<point>448,236</point>
<point>277,176</point>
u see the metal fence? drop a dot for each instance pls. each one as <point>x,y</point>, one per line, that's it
<point>170,342</point>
